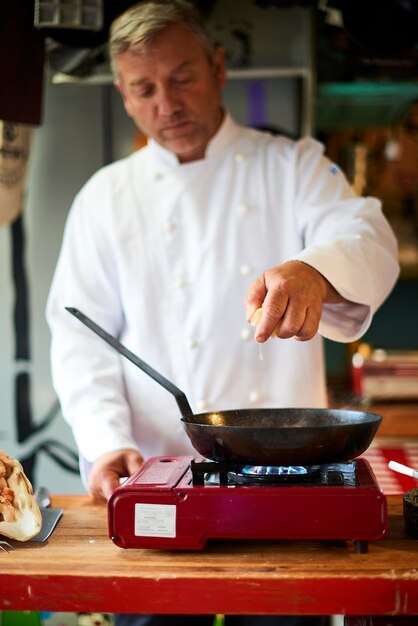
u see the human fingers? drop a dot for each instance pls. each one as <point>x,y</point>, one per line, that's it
<point>255,320</point>
<point>274,306</point>
<point>255,295</point>
<point>292,305</point>
<point>267,320</point>
<point>296,322</point>
<point>102,484</point>
<point>302,316</point>
<point>133,461</point>
<point>112,477</point>
<point>310,326</point>
<point>265,305</point>
<point>299,323</point>
<point>110,482</point>
<point>108,469</point>
<point>292,320</point>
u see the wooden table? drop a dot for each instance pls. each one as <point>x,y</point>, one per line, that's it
<point>80,569</point>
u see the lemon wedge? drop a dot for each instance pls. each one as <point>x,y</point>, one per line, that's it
<point>255,320</point>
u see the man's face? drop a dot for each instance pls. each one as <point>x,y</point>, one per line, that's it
<point>173,92</point>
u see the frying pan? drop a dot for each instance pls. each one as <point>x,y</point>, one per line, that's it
<point>263,436</point>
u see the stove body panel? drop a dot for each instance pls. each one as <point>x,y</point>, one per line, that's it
<point>160,508</point>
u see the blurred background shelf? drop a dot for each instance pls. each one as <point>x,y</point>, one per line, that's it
<point>361,104</point>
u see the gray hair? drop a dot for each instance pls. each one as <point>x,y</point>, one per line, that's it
<point>141,22</point>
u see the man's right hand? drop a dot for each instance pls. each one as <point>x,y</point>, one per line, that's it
<point>109,468</point>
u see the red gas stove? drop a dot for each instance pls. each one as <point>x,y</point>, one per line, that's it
<point>178,503</point>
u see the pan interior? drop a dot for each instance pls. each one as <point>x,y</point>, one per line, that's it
<point>283,418</point>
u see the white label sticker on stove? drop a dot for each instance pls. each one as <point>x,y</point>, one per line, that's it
<point>155,520</point>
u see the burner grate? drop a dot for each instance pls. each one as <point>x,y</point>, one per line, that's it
<point>216,473</point>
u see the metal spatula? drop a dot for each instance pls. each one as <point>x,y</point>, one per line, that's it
<point>50,517</point>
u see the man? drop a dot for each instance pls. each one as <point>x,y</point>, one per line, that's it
<point>163,247</point>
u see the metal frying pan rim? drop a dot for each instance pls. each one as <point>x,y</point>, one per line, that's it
<point>369,418</point>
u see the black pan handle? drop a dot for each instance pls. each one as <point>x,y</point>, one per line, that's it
<point>180,397</point>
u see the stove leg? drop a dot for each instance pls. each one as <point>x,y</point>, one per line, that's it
<point>361,546</point>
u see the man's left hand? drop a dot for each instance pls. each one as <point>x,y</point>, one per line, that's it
<point>291,296</point>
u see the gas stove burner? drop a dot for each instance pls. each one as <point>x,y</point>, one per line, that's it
<point>213,472</point>
<point>275,475</point>
<point>273,470</point>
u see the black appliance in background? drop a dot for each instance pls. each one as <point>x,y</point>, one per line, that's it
<point>376,26</point>
<point>374,40</point>
<point>382,27</point>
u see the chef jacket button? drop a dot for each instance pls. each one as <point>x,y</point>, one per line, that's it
<point>244,209</point>
<point>180,283</point>
<point>244,269</point>
<point>192,343</point>
<point>168,226</point>
<point>254,396</point>
<point>201,405</point>
<point>246,334</point>
<point>239,157</point>
<point>158,175</point>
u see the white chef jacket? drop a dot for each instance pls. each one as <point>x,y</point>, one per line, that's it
<point>161,255</point>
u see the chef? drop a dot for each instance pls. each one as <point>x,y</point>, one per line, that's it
<point>174,248</point>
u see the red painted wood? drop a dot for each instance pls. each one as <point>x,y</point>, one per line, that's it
<point>208,595</point>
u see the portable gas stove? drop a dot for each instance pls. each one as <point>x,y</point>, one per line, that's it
<point>178,503</point>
